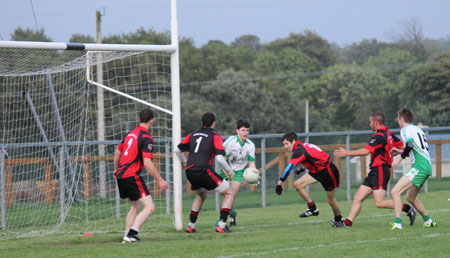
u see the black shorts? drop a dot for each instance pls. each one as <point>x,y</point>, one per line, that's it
<point>133,188</point>
<point>378,178</point>
<point>206,178</point>
<point>329,177</point>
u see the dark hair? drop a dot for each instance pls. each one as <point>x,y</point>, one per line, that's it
<point>242,123</point>
<point>289,136</point>
<point>379,117</point>
<point>406,114</point>
<point>145,115</point>
<point>208,119</point>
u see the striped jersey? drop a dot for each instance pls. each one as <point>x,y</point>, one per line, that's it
<point>420,157</point>
<point>239,153</point>
<point>136,146</point>
<point>380,145</point>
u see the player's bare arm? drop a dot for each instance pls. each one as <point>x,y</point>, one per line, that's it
<point>395,151</point>
<point>117,156</point>
<point>151,169</point>
<point>223,163</point>
<point>341,152</point>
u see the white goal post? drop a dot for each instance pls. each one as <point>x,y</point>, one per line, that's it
<point>58,158</point>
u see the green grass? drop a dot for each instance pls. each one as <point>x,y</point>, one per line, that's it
<point>275,231</point>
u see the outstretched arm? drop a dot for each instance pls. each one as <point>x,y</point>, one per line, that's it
<point>223,163</point>
<point>341,152</point>
<point>180,155</point>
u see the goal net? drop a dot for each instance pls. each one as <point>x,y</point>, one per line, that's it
<point>59,132</point>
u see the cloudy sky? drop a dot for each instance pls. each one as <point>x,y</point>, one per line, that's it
<point>339,21</point>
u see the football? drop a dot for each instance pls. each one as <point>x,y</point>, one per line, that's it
<point>251,175</point>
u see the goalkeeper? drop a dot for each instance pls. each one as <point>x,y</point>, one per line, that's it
<point>321,169</point>
<point>240,152</point>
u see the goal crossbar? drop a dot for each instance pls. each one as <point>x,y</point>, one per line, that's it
<point>87,47</point>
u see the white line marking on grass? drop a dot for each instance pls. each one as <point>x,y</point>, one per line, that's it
<point>318,221</point>
<point>327,245</point>
<point>306,247</point>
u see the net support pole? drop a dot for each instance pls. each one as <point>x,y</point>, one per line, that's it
<point>61,133</point>
<point>41,128</point>
<point>3,186</point>
<point>176,120</point>
<point>263,172</point>
<point>347,160</point>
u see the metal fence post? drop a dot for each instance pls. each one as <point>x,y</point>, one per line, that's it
<point>263,172</point>
<point>347,160</point>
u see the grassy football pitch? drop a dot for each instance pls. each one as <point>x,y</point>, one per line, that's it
<point>275,231</point>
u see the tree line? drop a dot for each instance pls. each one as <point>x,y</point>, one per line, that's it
<point>269,83</point>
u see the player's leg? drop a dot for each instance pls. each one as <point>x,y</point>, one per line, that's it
<point>200,182</point>
<point>300,185</point>
<point>131,216</point>
<point>402,185</point>
<point>236,187</point>
<point>195,209</point>
<point>148,207</point>
<point>331,199</point>
<point>411,197</point>
<point>358,199</point>
<point>139,196</point>
<point>379,199</point>
<point>228,199</point>
<point>329,179</point>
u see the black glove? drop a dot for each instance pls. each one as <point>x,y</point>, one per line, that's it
<point>278,189</point>
<point>299,169</point>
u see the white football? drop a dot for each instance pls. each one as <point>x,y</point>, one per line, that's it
<point>251,175</point>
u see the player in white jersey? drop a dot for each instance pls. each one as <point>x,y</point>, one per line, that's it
<point>240,152</point>
<point>415,147</point>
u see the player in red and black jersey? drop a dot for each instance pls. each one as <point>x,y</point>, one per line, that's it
<point>379,147</point>
<point>133,154</point>
<point>321,169</point>
<point>205,145</point>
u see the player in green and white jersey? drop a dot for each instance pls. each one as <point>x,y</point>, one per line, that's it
<point>416,148</point>
<point>240,152</point>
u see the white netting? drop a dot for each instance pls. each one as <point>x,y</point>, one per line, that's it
<point>56,167</point>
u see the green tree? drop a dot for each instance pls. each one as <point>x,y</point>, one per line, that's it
<point>28,34</point>
<point>360,52</point>
<point>232,96</point>
<point>140,36</point>
<point>431,88</point>
<point>81,38</point>
<point>310,44</point>
<point>250,42</point>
